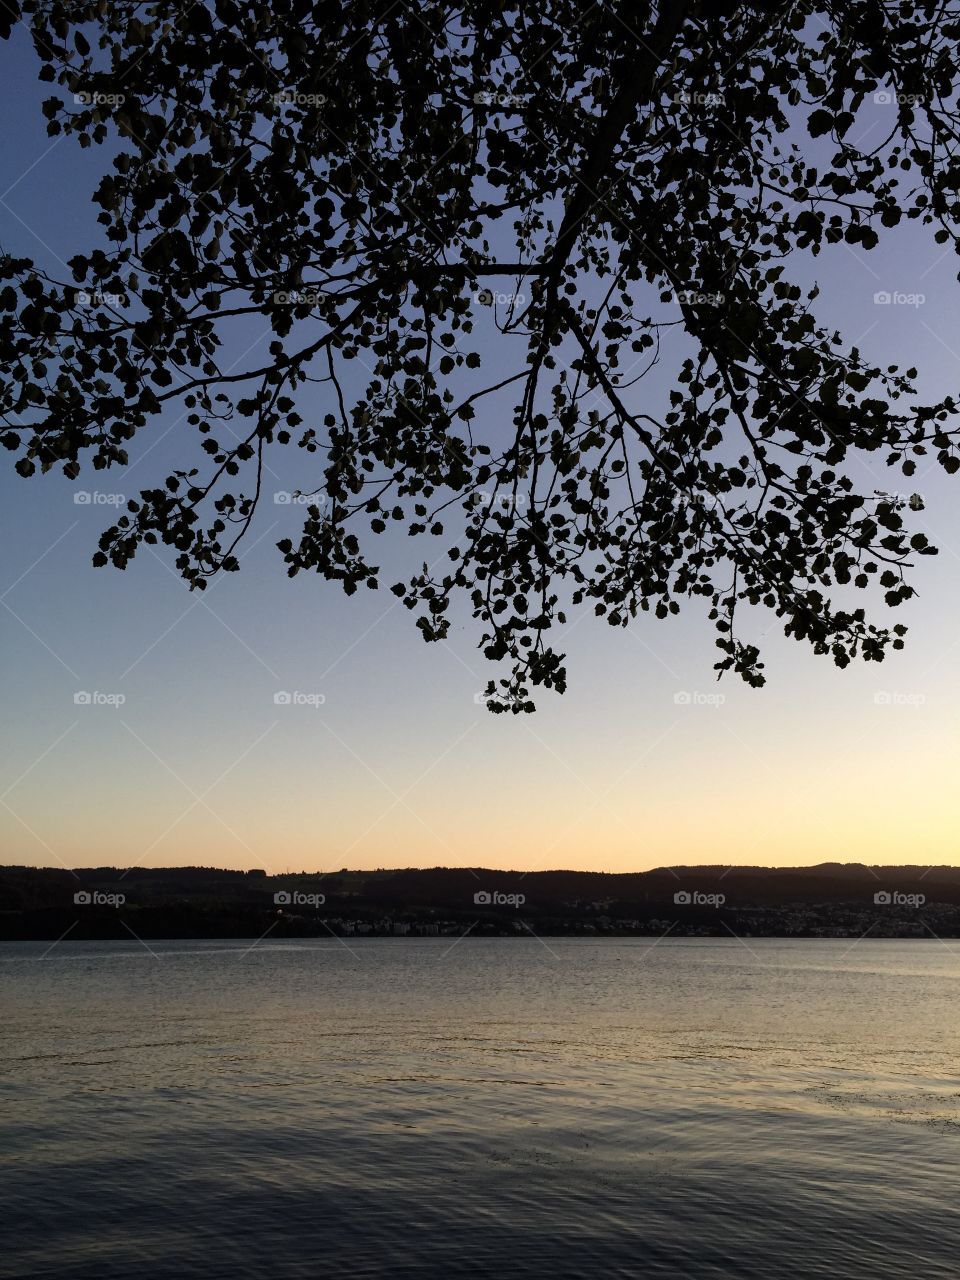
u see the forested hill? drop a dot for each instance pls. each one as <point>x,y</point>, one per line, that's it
<point>175,902</point>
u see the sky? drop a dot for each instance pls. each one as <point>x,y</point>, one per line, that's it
<point>382,756</point>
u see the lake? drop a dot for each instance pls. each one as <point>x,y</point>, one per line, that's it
<point>565,1108</point>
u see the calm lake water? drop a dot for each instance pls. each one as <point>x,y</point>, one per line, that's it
<point>565,1108</point>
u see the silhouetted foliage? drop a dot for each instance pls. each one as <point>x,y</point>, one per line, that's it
<point>597,189</point>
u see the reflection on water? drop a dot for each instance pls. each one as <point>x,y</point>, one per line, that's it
<point>699,1108</point>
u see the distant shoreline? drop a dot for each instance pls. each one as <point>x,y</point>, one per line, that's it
<point>831,900</point>
<point>411,940</point>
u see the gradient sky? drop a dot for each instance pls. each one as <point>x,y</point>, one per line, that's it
<point>400,766</point>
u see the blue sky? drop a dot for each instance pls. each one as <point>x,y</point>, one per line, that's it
<point>387,759</point>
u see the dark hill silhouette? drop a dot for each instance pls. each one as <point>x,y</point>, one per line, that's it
<point>41,902</point>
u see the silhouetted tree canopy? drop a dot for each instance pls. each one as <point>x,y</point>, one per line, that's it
<point>473,229</point>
